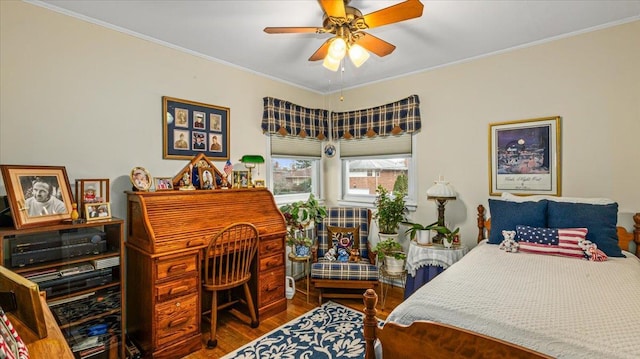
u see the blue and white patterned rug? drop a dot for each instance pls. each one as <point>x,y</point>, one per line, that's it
<point>329,331</point>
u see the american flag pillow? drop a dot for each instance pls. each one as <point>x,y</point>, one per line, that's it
<point>554,241</point>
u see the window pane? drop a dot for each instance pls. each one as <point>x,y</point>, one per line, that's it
<point>364,175</point>
<point>293,175</point>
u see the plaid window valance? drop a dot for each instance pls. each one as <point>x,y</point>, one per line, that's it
<point>390,119</point>
<point>285,118</point>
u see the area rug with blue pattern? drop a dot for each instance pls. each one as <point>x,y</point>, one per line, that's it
<point>329,331</point>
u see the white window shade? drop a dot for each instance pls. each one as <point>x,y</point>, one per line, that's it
<point>376,146</point>
<point>295,146</point>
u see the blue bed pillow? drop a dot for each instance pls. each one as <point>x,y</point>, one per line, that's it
<point>600,220</point>
<point>507,215</point>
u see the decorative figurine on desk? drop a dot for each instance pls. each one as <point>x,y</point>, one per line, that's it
<point>74,211</point>
<point>186,182</point>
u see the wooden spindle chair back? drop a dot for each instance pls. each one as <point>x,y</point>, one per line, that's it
<point>227,265</point>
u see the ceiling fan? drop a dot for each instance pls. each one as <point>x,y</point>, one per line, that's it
<point>348,24</point>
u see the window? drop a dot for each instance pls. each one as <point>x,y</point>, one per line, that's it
<point>295,168</point>
<point>386,161</point>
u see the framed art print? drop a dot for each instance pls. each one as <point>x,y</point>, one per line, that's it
<point>190,128</point>
<point>37,195</point>
<point>524,157</point>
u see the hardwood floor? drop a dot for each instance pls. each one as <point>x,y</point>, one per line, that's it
<point>233,333</point>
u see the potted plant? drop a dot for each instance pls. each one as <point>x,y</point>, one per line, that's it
<point>300,244</point>
<point>391,210</point>
<point>422,232</point>
<point>390,252</point>
<point>299,216</point>
<point>448,236</point>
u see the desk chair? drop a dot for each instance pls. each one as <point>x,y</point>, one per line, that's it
<point>335,279</point>
<point>228,265</point>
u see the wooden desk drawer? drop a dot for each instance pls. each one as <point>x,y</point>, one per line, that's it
<point>176,288</point>
<point>271,262</point>
<point>271,246</point>
<point>173,267</point>
<point>271,287</point>
<point>176,320</point>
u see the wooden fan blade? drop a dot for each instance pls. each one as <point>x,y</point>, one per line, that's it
<point>287,30</point>
<point>404,11</point>
<point>375,45</point>
<point>333,8</point>
<point>321,52</point>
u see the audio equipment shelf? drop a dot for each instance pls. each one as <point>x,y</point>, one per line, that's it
<point>80,270</point>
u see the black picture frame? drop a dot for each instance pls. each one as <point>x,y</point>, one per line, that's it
<point>190,128</point>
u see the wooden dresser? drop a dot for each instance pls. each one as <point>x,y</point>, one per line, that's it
<point>166,234</point>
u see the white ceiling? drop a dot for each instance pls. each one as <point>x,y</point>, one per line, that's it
<point>450,31</point>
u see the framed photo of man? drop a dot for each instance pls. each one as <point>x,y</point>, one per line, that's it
<point>37,195</point>
<point>189,128</point>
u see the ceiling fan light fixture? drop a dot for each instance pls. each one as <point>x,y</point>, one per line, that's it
<point>338,48</point>
<point>358,55</point>
<point>331,63</point>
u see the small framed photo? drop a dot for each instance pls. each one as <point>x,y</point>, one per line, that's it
<point>37,195</point>
<point>98,211</point>
<point>207,179</point>
<point>216,122</point>
<point>91,190</point>
<point>240,179</point>
<point>140,178</point>
<point>182,117</point>
<point>163,183</point>
<point>259,183</point>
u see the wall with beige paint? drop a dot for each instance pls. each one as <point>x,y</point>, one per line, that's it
<point>76,94</point>
<point>82,96</point>
<point>591,80</point>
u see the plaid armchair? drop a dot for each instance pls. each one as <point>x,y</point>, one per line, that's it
<point>336,279</point>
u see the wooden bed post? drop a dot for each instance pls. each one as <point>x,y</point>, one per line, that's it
<point>636,233</point>
<point>481,228</point>
<point>370,322</point>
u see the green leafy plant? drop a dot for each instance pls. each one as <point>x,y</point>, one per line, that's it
<point>391,210</point>
<point>389,247</point>
<point>300,215</point>
<point>448,235</point>
<point>299,241</point>
<point>415,227</point>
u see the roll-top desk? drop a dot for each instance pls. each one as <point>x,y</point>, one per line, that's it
<point>167,232</point>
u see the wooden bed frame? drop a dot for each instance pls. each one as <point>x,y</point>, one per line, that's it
<point>445,341</point>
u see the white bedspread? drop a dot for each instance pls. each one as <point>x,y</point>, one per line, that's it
<point>563,307</point>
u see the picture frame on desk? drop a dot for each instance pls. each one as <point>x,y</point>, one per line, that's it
<point>98,211</point>
<point>190,128</point>
<point>163,183</point>
<point>524,157</point>
<point>206,178</point>
<point>91,190</point>
<point>191,173</point>
<point>140,178</point>
<point>240,179</point>
<point>38,195</point>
